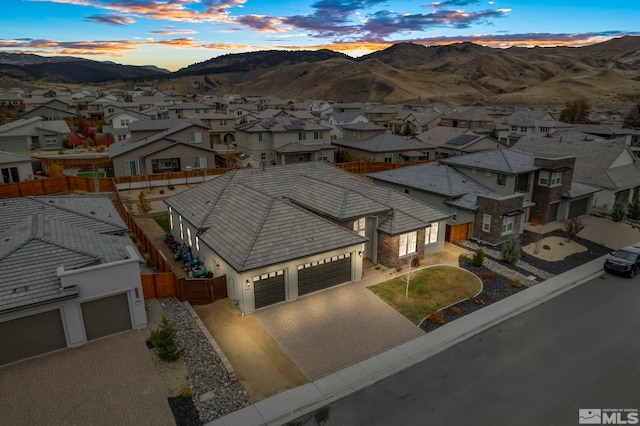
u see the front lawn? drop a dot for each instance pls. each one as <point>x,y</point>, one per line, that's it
<point>430,289</point>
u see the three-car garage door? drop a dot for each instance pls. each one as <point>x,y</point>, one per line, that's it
<point>323,274</point>
<point>106,316</point>
<point>33,335</point>
<point>268,289</point>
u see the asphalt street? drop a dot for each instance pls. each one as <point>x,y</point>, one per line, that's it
<point>580,350</point>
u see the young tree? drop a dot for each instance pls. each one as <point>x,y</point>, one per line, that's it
<point>412,263</point>
<point>572,227</point>
<point>74,140</point>
<point>144,205</point>
<point>575,111</point>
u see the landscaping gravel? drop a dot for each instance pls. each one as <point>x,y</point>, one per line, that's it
<point>499,287</point>
<point>214,395</point>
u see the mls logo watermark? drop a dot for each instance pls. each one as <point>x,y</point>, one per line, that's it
<point>608,416</point>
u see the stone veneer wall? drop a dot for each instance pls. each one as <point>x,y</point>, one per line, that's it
<point>543,196</point>
<point>496,207</point>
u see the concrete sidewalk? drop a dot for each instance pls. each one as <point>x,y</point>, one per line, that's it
<point>291,404</point>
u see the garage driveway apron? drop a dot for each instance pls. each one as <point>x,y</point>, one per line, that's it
<point>335,328</point>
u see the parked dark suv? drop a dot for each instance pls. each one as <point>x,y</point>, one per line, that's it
<point>625,261</point>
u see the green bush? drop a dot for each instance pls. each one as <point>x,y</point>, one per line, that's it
<point>511,250</point>
<point>618,212</point>
<point>633,210</point>
<point>164,341</point>
<point>478,258</point>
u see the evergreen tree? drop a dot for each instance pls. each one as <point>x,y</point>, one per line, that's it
<point>164,341</point>
<point>511,249</point>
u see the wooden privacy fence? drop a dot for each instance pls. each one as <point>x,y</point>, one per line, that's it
<point>56,185</point>
<point>159,285</point>
<point>201,291</point>
<point>197,291</point>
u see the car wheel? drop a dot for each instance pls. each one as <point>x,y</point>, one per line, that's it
<point>632,273</point>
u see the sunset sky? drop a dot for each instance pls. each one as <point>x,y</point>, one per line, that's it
<point>173,34</point>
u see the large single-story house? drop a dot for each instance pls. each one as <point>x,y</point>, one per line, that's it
<point>281,232</point>
<point>70,274</point>
<point>491,194</point>
<point>27,134</point>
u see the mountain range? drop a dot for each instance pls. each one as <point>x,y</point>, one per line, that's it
<point>607,74</point>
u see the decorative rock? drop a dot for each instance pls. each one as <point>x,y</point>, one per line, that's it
<point>214,394</point>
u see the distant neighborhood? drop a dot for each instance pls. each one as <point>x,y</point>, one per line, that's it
<point>284,206</point>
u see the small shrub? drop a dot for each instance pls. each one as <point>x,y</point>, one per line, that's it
<point>618,212</point>
<point>478,258</point>
<point>515,283</point>
<point>546,247</point>
<point>164,341</point>
<point>455,310</point>
<point>436,318</point>
<point>476,300</point>
<point>511,250</point>
<point>489,276</point>
<point>186,392</point>
<point>171,187</point>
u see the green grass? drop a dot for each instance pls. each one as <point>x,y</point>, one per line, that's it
<point>430,290</point>
<point>92,174</point>
<point>163,221</point>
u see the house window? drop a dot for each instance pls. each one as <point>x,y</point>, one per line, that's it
<point>408,243</point>
<point>163,165</point>
<point>170,219</point>
<point>556,178</point>
<point>544,129</point>
<point>223,122</point>
<point>318,134</point>
<point>189,237</point>
<point>487,173</point>
<point>514,128</point>
<point>302,136</point>
<point>263,137</point>
<point>238,113</point>
<point>181,230</point>
<point>359,226</point>
<point>501,179</point>
<point>523,129</point>
<point>131,168</point>
<point>124,122</point>
<point>197,243</point>
<point>51,141</point>
<point>486,222</point>
<point>10,175</point>
<point>263,156</point>
<point>543,179</point>
<point>200,162</point>
<point>454,214</point>
<point>388,157</point>
<point>507,224</point>
<point>122,137</point>
<point>322,156</point>
<point>431,233</point>
<point>195,137</point>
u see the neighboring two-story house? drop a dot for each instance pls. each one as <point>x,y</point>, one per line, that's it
<point>338,120</point>
<point>284,140</point>
<point>491,194</point>
<point>281,232</point>
<point>175,145</point>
